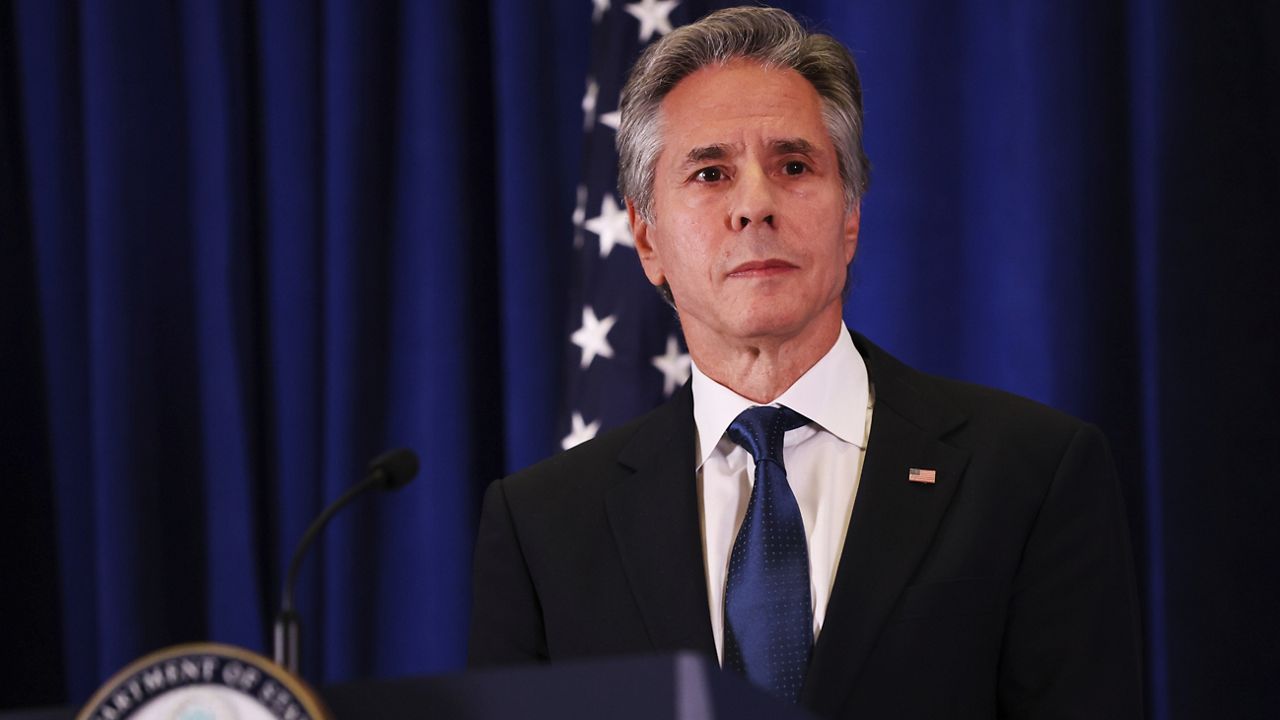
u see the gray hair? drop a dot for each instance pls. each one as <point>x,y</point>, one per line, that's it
<point>768,36</point>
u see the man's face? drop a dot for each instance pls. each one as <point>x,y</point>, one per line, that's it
<point>749,227</point>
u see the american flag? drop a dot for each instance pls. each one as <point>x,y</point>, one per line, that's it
<point>626,354</point>
<point>922,475</point>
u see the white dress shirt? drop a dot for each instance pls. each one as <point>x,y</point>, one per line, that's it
<point>823,461</point>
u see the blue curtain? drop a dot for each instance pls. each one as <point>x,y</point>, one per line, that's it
<point>247,246</point>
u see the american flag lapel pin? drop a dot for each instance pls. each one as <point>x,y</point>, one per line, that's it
<point>927,476</point>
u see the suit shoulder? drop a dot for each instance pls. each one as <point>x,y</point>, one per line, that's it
<point>954,402</point>
<point>994,405</point>
<point>1014,431</point>
<point>584,468</point>
<point>993,422</point>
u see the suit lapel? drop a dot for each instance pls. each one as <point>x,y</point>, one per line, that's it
<point>653,513</point>
<point>893,522</point>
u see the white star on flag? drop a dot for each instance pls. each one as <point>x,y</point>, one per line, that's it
<point>593,336</point>
<point>611,225</point>
<point>580,433</point>
<point>653,16</point>
<point>589,104</point>
<point>674,366</point>
<point>598,9</point>
<point>633,370</point>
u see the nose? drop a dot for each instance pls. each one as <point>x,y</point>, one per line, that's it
<point>753,201</point>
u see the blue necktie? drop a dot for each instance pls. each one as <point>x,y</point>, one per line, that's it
<point>768,617</point>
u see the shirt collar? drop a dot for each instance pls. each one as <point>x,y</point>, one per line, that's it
<point>832,393</point>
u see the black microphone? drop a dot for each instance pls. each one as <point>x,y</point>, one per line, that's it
<point>389,471</point>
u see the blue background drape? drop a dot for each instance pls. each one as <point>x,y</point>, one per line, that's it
<point>247,246</point>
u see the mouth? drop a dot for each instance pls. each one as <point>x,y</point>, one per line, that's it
<point>761,268</point>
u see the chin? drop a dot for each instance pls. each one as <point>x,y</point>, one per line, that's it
<point>769,324</point>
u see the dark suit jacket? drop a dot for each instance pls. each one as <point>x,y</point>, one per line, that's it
<point>1005,589</point>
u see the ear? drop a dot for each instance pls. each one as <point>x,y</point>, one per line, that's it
<point>641,232</point>
<point>852,222</point>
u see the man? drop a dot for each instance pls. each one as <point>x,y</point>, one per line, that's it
<point>844,531</point>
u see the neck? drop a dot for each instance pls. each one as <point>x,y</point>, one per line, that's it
<point>762,369</point>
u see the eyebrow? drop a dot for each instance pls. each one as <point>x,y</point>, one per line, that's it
<point>720,151</point>
<point>793,146</point>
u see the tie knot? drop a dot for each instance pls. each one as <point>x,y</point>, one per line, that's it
<point>759,430</point>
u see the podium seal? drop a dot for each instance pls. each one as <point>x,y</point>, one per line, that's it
<point>204,681</point>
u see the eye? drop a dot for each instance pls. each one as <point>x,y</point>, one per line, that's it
<point>709,175</point>
<point>795,167</point>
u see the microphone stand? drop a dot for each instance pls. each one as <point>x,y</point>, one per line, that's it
<point>388,471</point>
